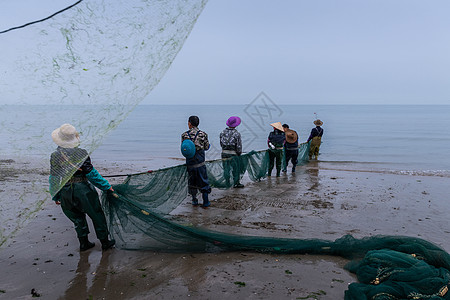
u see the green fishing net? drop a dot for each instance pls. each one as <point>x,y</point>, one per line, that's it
<point>88,65</point>
<point>387,267</point>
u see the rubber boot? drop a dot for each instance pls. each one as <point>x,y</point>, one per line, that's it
<point>85,244</point>
<point>238,185</point>
<point>206,202</point>
<point>194,201</point>
<point>107,244</point>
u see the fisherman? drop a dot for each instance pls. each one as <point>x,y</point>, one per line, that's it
<point>275,142</point>
<point>290,148</point>
<point>316,139</point>
<point>78,195</point>
<point>198,178</point>
<point>231,143</point>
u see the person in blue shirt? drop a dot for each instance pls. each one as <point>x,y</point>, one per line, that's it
<point>76,193</point>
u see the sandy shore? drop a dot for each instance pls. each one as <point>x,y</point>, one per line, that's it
<point>321,200</point>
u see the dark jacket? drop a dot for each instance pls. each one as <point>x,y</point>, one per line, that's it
<point>316,131</point>
<point>277,138</point>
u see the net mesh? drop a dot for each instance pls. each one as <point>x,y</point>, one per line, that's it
<point>89,66</point>
<point>387,267</point>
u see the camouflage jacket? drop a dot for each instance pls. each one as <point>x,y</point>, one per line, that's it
<point>230,139</point>
<point>201,141</point>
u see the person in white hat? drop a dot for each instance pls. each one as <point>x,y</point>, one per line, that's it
<point>72,180</point>
<point>275,142</point>
<point>316,139</point>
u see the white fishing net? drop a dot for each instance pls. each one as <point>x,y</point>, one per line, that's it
<point>89,66</point>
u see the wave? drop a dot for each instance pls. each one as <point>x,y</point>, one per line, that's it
<point>382,168</point>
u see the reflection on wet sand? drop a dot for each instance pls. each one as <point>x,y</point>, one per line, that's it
<point>312,169</point>
<point>89,282</point>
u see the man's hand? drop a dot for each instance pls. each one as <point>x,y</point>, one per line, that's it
<point>114,194</point>
<point>58,202</point>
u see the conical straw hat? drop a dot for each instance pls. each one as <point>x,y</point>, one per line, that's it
<point>278,126</point>
<point>291,136</point>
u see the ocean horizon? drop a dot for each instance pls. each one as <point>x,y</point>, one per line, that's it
<point>409,138</point>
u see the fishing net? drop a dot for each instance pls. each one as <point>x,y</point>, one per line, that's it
<point>88,65</point>
<point>387,267</point>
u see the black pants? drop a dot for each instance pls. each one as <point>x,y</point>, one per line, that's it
<point>291,155</point>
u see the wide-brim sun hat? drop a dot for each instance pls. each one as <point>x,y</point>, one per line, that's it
<point>318,122</point>
<point>277,125</point>
<point>233,121</point>
<point>66,136</point>
<point>291,136</point>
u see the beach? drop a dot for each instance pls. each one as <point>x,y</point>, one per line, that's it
<point>321,200</point>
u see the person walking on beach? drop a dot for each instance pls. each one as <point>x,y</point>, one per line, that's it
<point>198,178</point>
<point>316,139</point>
<point>275,142</point>
<point>290,148</point>
<point>78,195</point>
<point>231,143</point>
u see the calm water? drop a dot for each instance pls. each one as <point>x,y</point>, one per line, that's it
<point>399,139</point>
<point>402,138</point>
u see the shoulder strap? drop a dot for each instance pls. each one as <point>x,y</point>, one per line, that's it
<point>189,135</point>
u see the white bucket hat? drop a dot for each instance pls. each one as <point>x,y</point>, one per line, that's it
<point>66,136</point>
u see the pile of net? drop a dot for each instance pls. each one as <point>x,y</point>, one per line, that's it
<point>387,267</point>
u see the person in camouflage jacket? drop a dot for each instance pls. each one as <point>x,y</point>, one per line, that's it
<point>198,177</point>
<point>231,143</point>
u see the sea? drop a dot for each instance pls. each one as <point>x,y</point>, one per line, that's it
<point>409,139</point>
<point>392,139</point>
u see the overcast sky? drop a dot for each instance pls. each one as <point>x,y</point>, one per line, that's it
<point>314,51</point>
<point>303,52</point>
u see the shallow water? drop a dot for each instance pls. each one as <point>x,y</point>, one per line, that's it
<point>401,138</point>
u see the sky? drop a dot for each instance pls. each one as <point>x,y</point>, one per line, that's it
<point>314,52</point>
<point>301,52</point>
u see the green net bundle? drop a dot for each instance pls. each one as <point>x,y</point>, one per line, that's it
<point>387,267</point>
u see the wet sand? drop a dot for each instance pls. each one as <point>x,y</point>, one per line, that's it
<point>321,200</point>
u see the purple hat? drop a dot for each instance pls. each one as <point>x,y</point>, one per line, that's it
<point>233,122</point>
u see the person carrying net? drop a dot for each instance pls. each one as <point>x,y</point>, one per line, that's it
<point>275,142</point>
<point>316,139</point>
<point>198,177</point>
<point>290,148</point>
<point>75,192</point>
<point>231,143</point>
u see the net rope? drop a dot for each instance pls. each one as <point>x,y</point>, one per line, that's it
<point>387,267</point>
<point>89,65</point>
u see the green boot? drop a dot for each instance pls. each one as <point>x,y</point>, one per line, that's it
<point>85,244</point>
<point>107,244</point>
